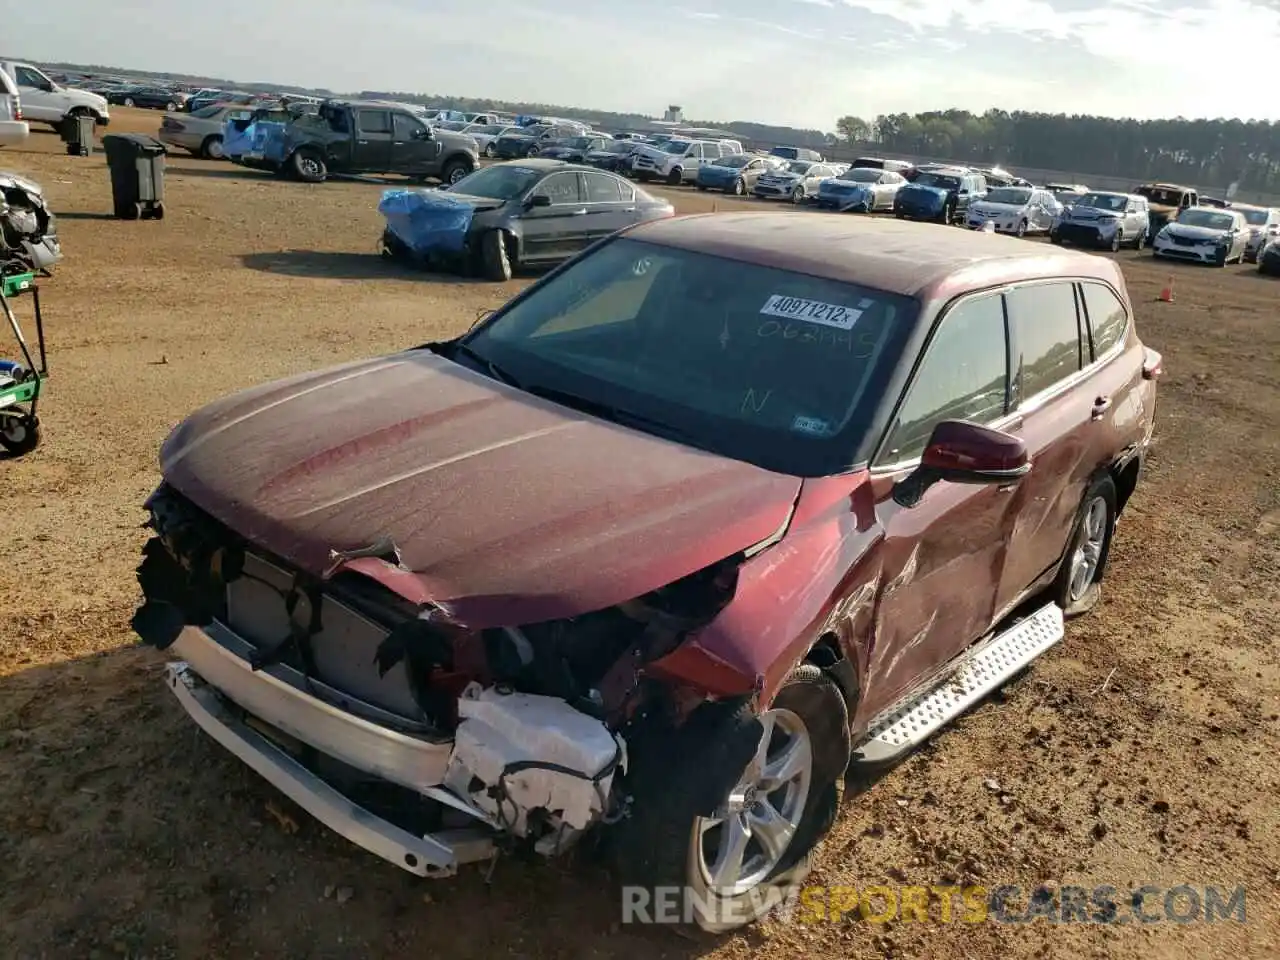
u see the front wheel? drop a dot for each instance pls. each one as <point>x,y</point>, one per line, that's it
<point>1117,241</point>
<point>171,106</point>
<point>739,187</point>
<point>949,213</point>
<point>1076,589</point>
<point>495,258</point>
<point>1022,228</point>
<point>675,178</point>
<point>488,151</point>
<point>729,808</point>
<point>797,195</point>
<point>308,167</point>
<point>128,101</point>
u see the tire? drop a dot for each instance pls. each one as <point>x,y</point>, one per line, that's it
<point>211,149</point>
<point>1076,589</point>
<point>454,171</point>
<point>675,177</point>
<point>495,260</point>
<point>157,211</point>
<point>739,187</point>
<point>1141,241</point>
<point>1117,241</point>
<point>797,195</point>
<point>679,779</point>
<point>1021,230</point>
<point>701,188</point>
<point>488,151</point>
<point>949,214</point>
<point>19,435</point>
<point>171,106</point>
<point>308,166</point>
<point>128,101</point>
<point>1055,239</point>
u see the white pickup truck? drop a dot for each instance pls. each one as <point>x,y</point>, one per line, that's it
<point>46,102</point>
<point>13,129</point>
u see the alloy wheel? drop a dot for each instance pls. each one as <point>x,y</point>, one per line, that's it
<point>1088,552</point>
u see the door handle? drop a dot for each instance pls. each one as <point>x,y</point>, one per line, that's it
<point>363,143</point>
<point>1100,406</point>
<point>628,209</point>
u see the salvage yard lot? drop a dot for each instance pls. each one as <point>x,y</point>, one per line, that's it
<point>1140,751</point>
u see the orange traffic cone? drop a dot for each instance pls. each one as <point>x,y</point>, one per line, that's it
<point>1166,294</point>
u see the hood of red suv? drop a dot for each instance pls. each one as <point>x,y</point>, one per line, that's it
<point>506,508</point>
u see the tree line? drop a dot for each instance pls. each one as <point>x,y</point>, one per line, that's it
<point>1200,152</point>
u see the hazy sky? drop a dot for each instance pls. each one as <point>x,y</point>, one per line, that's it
<point>801,62</point>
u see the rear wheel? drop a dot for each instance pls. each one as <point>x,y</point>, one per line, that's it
<point>1076,589</point>
<point>211,149</point>
<point>171,106</point>
<point>488,150</point>
<point>675,177</point>
<point>732,804</point>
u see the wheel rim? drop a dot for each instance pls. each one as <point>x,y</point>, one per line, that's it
<point>215,149</point>
<point>739,188</point>
<point>310,167</point>
<point>13,429</point>
<point>1088,554</point>
<point>128,101</point>
<point>488,151</point>
<point>456,174</point>
<point>744,841</point>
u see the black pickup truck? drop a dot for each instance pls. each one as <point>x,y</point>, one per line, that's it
<point>374,137</point>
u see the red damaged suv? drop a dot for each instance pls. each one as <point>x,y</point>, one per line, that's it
<point>709,512</point>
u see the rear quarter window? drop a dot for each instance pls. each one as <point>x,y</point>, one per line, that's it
<point>1108,319</point>
<point>1046,331</point>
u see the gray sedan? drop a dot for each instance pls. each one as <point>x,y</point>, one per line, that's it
<point>200,132</point>
<point>508,215</point>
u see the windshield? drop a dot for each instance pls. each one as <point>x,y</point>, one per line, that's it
<point>491,130</point>
<point>1164,198</point>
<point>1209,218</point>
<point>938,180</point>
<point>784,152</point>
<point>1255,218</point>
<point>1102,201</point>
<point>675,146</point>
<point>799,166</point>
<point>500,182</point>
<point>862,175</point>
<point>205,113</point>
<point>762,364</point>
<point>1010,195</point>
<point>733,160</point>
<point>577,143</point>
<point>620,146</point>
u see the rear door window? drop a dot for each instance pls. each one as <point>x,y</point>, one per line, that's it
<point>601,189</point>
<point>1046,335</point>
<point>1108,320</point>
<point>964,376</point>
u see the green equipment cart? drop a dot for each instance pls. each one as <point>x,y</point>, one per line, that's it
<point>21,381</point>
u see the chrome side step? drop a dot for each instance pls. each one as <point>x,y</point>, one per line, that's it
<point>986,668</point>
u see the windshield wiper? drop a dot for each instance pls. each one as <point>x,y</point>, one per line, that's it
<point>490,367</point>
<point>615,414</point>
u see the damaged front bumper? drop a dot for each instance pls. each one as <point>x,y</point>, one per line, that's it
<point>218,688</point>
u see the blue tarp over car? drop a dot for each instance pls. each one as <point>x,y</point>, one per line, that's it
<point>427,221</point>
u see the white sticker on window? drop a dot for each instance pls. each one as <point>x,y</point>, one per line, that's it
<point>812,311</point>
<point>864,303</point>
<point>813,426</point>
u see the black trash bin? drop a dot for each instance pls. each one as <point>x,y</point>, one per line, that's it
<point>137,175</point>
<point>77,134</point>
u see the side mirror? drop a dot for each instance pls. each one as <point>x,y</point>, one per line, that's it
<point>538,200</point>
<point>426,133</point>
<point>963,452</point>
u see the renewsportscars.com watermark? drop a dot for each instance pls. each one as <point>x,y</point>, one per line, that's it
<point>1145,904</point>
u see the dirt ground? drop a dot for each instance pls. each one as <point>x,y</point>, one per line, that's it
<point>1140,751</point>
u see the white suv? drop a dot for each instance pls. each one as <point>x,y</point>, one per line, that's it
<point>47,102</point>
<point>13,129</point>
<point>677,160</point>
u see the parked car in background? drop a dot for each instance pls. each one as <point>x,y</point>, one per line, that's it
<point>796,153</point>
<point>1204,235</point>
<point>485,136</point>
<point>47,102</point>
<point>1058,188</point>
<point>1166,201</point>
<point>527,141</point>
<point>523,212</point>
<point>1269,259</point>
<point>941,194</point>
<point>1264,226</point>
<point>364,136</point>
<point>605,531</point>
<point>572,149</point>
<point>1103,219</point>
<point>13,129</point>
<point>999,177</point>
<point>797,181</point>
<point>1218,202</point>
<point>677,160</point>
<point>613,155</point>
<point>879,163</point>
<point>861,189</point>
<point>737,173</point>
<point>1015,210</point>
<point>148,98</point>
<point>200,132</point>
